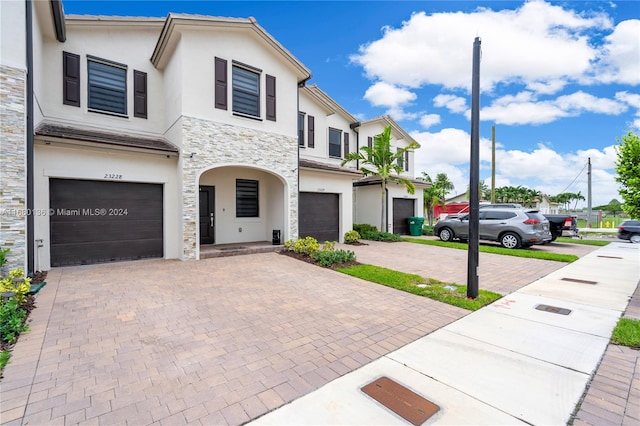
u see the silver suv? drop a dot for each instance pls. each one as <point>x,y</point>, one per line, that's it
<point>511,227</point>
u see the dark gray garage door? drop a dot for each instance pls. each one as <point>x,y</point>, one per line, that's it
<point>402,209</point>
<point>97,221</point>
<point>319,216</point>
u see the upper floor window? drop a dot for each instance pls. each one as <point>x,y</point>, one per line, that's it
<point>246,91</point>
<point>107,86</point>
<point>247,198</point>
<point>400,158</point>
<point>301,129</point>
<point>335,137</point>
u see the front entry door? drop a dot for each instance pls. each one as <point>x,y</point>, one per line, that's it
<point>207,215</point>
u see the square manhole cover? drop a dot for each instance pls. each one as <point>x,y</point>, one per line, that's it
<point>402,401</point>
<point>553,309</point>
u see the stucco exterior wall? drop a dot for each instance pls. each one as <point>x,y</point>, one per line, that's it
<point>217,144</point>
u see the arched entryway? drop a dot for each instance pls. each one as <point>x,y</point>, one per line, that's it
<point>239,204</point>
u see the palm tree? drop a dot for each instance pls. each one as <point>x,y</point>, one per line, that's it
<point>444,185</point>
<point>431,197</point>
<point>577,197</point>
<point>380,161</point>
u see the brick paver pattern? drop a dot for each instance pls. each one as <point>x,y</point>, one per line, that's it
<point>218,341</point>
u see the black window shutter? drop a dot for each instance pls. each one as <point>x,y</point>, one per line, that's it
<point>370,142</point>
<point>271,98</point>
<point>346,144</point>
<point>221,83</point>
<point>406,161</point>
<point>139,94</point>
<point>71,79</point>
<point>311,129</point>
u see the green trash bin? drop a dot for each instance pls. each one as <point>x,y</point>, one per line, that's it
<point>415,225</point>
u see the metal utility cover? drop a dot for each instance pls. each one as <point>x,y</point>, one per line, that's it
<point>402,401</point>
<point>610,257</point>
<point>575,280</point>
<point>553,309</point>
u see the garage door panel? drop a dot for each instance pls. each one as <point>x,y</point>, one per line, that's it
<point>110,251</point>
<point>319,216</point>
<point>402,209</point>
<point>111,230</point>
<point>104,221</point>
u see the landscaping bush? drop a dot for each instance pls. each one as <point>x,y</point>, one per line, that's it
<point>351,237</point>
<point>329,246</point>
<point>306,245</point>
<point>364,227</point>
<point>17,283</point>
<point>427,230</point>
<point>380,236</point>
<point>12,320</point>
<point>334,257</point>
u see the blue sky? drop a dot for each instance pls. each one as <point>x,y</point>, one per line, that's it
<point>560,81</point>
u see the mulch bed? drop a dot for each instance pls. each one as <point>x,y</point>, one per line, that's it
<point>311,260</point>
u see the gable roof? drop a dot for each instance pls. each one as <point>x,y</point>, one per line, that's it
<point>386,120</point>
<point>326,102</point>
<point>174,23</point>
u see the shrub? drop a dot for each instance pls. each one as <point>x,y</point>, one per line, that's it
<point>3,256</point>
<point>307,245</point>
<point>351,237</point>
<point>381,236</point>
<point>364,227</point>
<point>427,230</point>
<point>334,257</point>
<point>12,320</point>
<point>17,283</point>
<point>329,246</point>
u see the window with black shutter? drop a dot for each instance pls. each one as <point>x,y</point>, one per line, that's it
<point>71,79</point>
<point>300,128</point>
<point>139,94</point>
<point>246,91</point>
<point>220,95</point>
<point>334,142</point>
<point>346,144</point>
<point>107,86</point>
<point>311,137</point>
<point>406,161</point>
<point>270,83</point>
<point>400,159</point>
<point>247,198</point>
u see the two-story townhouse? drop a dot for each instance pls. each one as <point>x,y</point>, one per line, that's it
<point>326,133</point>
<point>148,137</point>
<point>367,191</point>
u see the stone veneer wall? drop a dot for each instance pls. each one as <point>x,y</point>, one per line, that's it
<point>13,221</point>
<point>219,144</point>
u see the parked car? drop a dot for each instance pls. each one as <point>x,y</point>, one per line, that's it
<point>630,230</point>
<point>512,227</point>
<point>563,225</point>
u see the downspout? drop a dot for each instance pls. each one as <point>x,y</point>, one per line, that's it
<point>301,84</point>
<point>29,130</point>
<point>386,213</point>
<point>354,126</point>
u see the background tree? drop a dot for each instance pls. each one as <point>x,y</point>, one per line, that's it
<point>430,196</point>
<point>380,161</point>
<point>627,167</point>
<point>444,185</point>
<point>614,207</point>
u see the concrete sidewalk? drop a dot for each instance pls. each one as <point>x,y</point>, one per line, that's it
<point>508,363</point>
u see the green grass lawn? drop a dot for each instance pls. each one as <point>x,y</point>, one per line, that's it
<point>627,333</point>
<point>558,257</point>
<point>451,293</point>
<point>570,240</point>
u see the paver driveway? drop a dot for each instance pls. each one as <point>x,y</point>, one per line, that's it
<point>210,342</point>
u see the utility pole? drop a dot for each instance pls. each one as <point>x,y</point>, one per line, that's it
<point>589,193</point>
<point>493,164</point>
<point>474,177</point>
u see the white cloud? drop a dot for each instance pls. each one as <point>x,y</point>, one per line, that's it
<point>451,102</point>
<point>538,44</point>
<point>429,120</point>
<point>549,171</point>
<point>388,95</point>
<point>619,60</point>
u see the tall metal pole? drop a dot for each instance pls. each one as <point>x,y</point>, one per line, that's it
<point>589,193</point>
<point>474,177</point>
<point>493,164</point>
